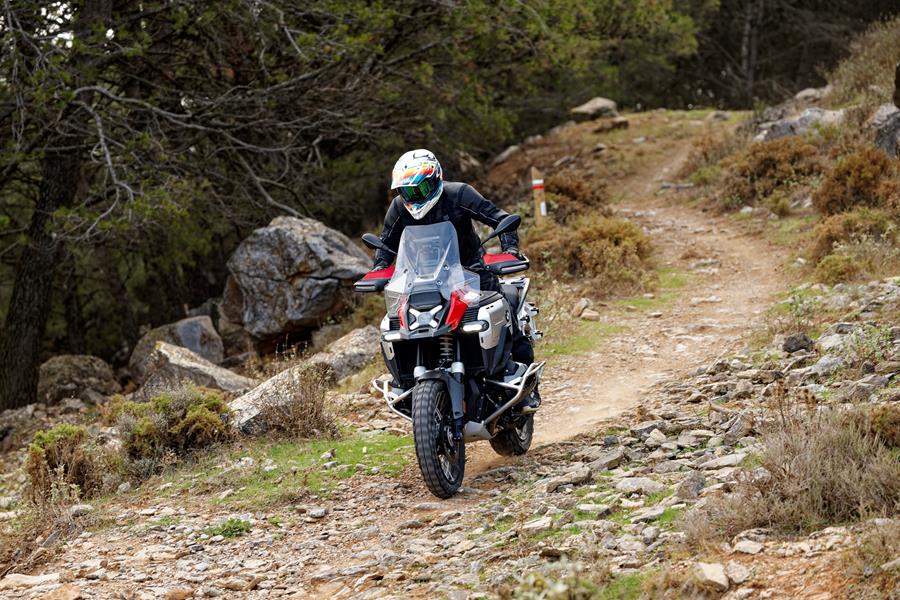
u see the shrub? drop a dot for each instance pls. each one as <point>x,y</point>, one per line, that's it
<point>569,196</point>
<point>869,70</point>
<point>230,528</point>
<point>818,469</point>
<point>837,268</point>
<point>61,457</point>
<point>611,254</point>
<point>845,227</point>
<point>766,167</point>
<point>707,151</point>
<point>305,412</point>
<point>170,424</point>
<point>853,182</point>
<point>885,423</point>
<point>879,545</point>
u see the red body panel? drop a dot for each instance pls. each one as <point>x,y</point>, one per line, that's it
<point>490,259</point>
<point>380,274</point>
<point>456,311</point>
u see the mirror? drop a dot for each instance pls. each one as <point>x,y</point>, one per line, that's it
<point>506,224</point>
<point>374,242</point>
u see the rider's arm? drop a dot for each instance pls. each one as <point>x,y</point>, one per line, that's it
<point>390,235</point>
<point>483,210</point>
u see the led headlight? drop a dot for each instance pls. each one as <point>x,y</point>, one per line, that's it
<point>475,327</point>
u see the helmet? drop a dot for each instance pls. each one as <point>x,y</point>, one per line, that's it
<point>419,180</point>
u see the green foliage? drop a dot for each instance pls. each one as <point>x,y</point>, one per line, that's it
<point>868,73</point>
<point>230,528</point>
<point>836,268</point>
<point>61,457</point>
<point>845,227</point>
<point>853,182</point>
<point>170,424</point>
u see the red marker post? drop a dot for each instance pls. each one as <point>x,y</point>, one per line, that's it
<point>537,190</point>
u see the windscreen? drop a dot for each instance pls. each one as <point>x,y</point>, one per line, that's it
<point>428,258</point>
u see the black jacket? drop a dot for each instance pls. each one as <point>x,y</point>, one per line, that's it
<point>459,204</point>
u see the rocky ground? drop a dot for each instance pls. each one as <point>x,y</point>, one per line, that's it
<point>659,411</point>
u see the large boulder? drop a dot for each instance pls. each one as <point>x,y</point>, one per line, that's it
<point>75,376</point>
<point>349,354</point>
<point>595,108</point>
<point>169,365</point>
<point>197,334</point>
<point>886,125</point>
<point>289,276</point>
<point>798,124</point>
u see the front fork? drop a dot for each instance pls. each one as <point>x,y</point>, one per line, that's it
<point>453,380</point>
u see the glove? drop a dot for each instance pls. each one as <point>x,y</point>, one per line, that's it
<point>514,251</point>
<point>379,266</point>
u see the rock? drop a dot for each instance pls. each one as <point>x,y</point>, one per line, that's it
<point>644,485</point>
<point>197,334</point>
<point>589,314</point>
<point>729,460</point>
<point>349,354</point>
<point>740,427</point>
<point>608,460</point>
<point>712,576</point>
<point>505,155</point>
<point>180,594</point>
<point>66,591</point>
<point>812,94</point>
<point>73,375</point>
<point>889,566</point>
<point>798,125</point>
<point>79,510</point>
<point>886,124</point>
<point>288,276</point>
<point>17,580</point>
<point>736,572</point>
<point>831,343</point>
<point>593,508</point>
<point>797,341</point>
<point>594,108</point>
<point>169,364</point>
<point>580,306</point>
<point>690,487</point>
<point>538,525</point>
<point>720,115</point>
<point>574,477</point>
<point>748,547</point>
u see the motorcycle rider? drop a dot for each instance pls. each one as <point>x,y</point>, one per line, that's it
<point>424,198</point>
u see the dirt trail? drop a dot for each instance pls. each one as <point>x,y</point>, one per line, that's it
<point>734,279</point>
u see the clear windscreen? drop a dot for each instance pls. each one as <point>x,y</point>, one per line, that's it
<point>428,259</point>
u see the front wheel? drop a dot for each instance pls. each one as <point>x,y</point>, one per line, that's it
<point>514,441</point>
<point>441,460</point>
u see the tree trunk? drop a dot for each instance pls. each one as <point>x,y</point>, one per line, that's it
<point>29,305</point>
<point>897,86</point>
<point>75,329</point>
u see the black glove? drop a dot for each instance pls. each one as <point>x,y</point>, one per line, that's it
<point>514,251</point>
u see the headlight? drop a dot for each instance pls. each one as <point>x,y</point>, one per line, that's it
<point>392,336</point>
<point>475,327</point>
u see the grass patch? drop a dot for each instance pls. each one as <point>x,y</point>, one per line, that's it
<point>298,468</point>
<point>230,528</point>
<point>624,587</point>
<point>588,337</point>
<point>669,517</point>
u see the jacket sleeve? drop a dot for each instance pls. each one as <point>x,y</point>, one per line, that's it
<point>484,211</point>
<point>390,235</point>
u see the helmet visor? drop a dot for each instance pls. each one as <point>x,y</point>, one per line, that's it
<point>420,193</point>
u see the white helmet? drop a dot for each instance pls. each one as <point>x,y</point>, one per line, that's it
<point>419,180</point>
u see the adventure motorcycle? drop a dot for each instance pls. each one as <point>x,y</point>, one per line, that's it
<point>448,347</point>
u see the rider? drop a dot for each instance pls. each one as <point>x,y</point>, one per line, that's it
<point>424,198</point>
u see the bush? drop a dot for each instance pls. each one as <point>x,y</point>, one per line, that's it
<point>766,167</point>
<point>885,423</point>
<point>853,182</point>
<point>170,425</point>
<point>305,412</point>
<point>837,268</point>
<point>845,227</point>
<point>611,254</point>
<point>869,70</point>
<point>569,196</point>
<point>819,469</point>
<point>707,151</point>
<point>61,456</point>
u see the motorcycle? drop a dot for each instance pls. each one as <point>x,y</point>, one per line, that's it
<point>448,347</point>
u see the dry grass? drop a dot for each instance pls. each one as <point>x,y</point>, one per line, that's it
<point>306,414</point>
<point>879,546</point>
<point>61,460</point>
<point>817,469</point>
<point>867,76</point>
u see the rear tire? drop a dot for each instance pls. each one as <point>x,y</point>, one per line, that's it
<point>441,460</point>
<point>514,441</point>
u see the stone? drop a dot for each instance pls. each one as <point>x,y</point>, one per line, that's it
<point>79,510</point>
<point>748,547</point>
<point>831,343</point>
<point>594,108</point>
<point>712,576</point>
<point>886,124</point>
<point>796,342</point>
<point>803,123</point>
<point>729,460</point>
<point>350,353</point>
<point>74,376</point>
<point>576,476</point>
<point>589,314</point>
<point>690,487</point>
<point>180,594</point>
<point>169,364</point>
<point>741,427</point>
<point>826,366</point>
<point>580,306</point>
<point>506,155</point>
<point>812,94</point>
<point>643,485</point>
<point>736,572</point>
<point>287,277</point>
<point>14,581</point>
<point>66,591</point>
<point>593,508</point>
<point>608,460</point>
<point>197,334</point>
<point>538,525</point>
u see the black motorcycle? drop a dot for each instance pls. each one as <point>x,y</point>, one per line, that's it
<point>448,347</point>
